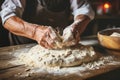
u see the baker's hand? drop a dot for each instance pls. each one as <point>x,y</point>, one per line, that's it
<point>47,37</point>
<point>71,35</point>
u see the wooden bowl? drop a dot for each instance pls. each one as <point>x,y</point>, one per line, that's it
<point>107,41</point>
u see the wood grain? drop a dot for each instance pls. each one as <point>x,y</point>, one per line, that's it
<point>10,71</point>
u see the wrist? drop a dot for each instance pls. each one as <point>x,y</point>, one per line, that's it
<point>34,32</point>
<point>30,30</point>
<point>75,26</point>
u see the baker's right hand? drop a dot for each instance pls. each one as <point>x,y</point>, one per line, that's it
<point>46,37</point>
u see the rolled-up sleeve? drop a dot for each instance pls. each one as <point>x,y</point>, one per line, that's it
<point>11,8</point>
<point>82,7</point>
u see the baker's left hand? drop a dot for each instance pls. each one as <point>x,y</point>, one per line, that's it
<point>71,34</point>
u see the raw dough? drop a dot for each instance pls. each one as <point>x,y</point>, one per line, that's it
<point>72,56</point>
<point>115,34</point>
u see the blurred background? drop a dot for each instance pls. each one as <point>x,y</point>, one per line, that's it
<point>107,15</point>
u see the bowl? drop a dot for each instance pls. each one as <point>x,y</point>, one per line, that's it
<point>106,39</point>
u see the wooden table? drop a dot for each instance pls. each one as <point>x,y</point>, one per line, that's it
<point>9,71</point>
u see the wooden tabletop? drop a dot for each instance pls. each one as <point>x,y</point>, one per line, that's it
<point>9,71</point>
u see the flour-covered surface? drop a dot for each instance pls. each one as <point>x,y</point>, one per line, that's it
<point>65,57</point>
<point>13,69</point>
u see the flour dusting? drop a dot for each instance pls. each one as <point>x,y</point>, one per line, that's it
<point>72,56</point>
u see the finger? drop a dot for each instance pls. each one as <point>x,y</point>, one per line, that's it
<point>52,34</point>
<point>45,44</point>
<point>77,37</point>
<point>54,39</point>
<point>49,41</point>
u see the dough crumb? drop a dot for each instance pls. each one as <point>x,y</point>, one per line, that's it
<point>38,56</point>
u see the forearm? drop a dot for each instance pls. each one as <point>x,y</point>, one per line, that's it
<point>19,27</point>
<point>80,23</point>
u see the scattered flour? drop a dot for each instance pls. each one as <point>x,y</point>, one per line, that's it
<point>81,70</point>
<point>62,73</point>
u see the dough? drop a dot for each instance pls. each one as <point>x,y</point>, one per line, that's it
<point>115,34</point>
<point>72,56</point>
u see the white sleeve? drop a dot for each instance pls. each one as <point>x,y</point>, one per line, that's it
<point>82,7</point>
<point>11,8</point>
